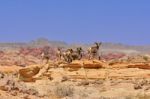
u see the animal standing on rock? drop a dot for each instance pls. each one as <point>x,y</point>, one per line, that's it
<point>77,54</point>
<point>94,50</point>
<point>67,55</point>
<point>45,54</point>
<point>59,53</point>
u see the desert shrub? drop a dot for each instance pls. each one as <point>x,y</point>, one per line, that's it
<point>143,96</point>
<point>64,78</point>
<point>9,83</point>
<point>82,93</point>
<point>63,90</point>
<point>139,96</point>
<point>83,83</point>
<point>145,58</point>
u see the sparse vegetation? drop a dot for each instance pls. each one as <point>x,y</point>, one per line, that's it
<point>143,96</point>
<point>72,82</point>
<point>64,90</point>
<point>9,83</point>
<point>145,58</point>
<point>139,96</point>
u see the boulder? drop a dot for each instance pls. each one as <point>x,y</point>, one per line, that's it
<point>90,64</point>
<point>29,72</point>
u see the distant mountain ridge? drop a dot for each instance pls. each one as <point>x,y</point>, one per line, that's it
<point>105,46</point>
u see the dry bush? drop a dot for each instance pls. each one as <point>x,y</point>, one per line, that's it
<point>143,96</point>
<point>64,78</point>
<point>10,84</point>
<point>83,83</point>
<point>137,86</point>
<point>145,58</point>
<point>81,94</point>
<point>139,96</point>
<point>64,90</point>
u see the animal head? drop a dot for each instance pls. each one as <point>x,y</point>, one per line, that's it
<point>70,50</point>
<point>98,44</point>
<point>79,49</point>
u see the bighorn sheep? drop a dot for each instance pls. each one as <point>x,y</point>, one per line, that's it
<point>45,54</point>
<point>93,51</point>
<point>59,53</point>
<point>69,55</point>
<point>77,54</point>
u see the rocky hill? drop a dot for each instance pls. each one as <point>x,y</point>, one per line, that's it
<point>110,47</point>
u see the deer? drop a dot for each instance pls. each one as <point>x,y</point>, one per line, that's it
<point>93,50</point>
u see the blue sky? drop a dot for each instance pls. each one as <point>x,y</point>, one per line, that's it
<point>76,21</point>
